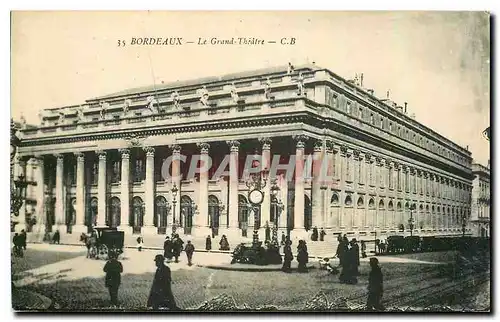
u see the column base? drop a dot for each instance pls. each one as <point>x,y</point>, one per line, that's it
<point>19,227</point>
<point>297,234</point>
<point>149,230</point>
<point>128,230</point>
<point>79,229</point>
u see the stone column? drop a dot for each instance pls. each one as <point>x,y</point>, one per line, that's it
<point>316,204</point>
<point>125,191</point>
<point>299,229</point>
<point>283,184</point>
<point>59,206</point>
<point>41,216</point>
<point>79,226</point>
<point>149,189</point>
<point>101,190</point>
<point>266,203</point>
<point>200,222</point>
<point>176,179</point>
<point>232,212</point>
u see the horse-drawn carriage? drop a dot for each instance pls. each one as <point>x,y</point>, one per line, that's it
<point>248,253</point>
<point>103,241</point>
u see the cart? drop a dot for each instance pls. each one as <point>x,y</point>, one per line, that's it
<point>109,240</point>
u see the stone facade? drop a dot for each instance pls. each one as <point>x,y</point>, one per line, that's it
<point>480,216</point>
<point>100,163</point>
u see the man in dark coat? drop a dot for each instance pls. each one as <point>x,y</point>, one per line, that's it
<point>355,255</point>
<point>267,231</point>
<point>302,256</point>
<point>23,239</point>
<point>283,238</point>
<point>375,286</point>
<point>189,249</point>
<point>57,237</point>
<point>113,270</point>
<point>322,235</point>
<point>314,235</point>
<point>177,245</point>
<point>340,250</point>
<point>287,258</point>
<point>167,248</point>
<point>208,243</point>
<point>161,295</point>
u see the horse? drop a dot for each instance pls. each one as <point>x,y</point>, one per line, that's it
<point>91,243</point>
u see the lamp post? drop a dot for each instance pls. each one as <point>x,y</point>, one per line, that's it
<point>278,209</point>
<point>411,221</point>
<point>255,183</point>
<point>174,202</point>
<point>18,195</point>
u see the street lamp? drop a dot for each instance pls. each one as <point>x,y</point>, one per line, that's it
<point>255,183</point>
<point>278,209</point>
<point>411,221</point>
<point>174,202</point>
<point>18,195</point>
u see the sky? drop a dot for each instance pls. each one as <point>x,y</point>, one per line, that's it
<point>438,62</point>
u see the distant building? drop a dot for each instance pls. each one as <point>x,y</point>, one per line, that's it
<point>100,163</point>
<point>481,194</point>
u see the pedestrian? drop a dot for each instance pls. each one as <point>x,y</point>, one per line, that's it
<point>113,269</point>
<point>161,296</point>
<point>18,250</point>
<point>340,250</point>
<point>177,245</point>
<point>322,235</point>
<point>302,256</point>
<point>56,238</point>
<point>140,243</point>
<point>189,249</point>
<point>287,258</point>
<point>363,249</point>
<point>267,231</point>
<point>23,239</point>
<point>283,238</point>
<point>208,243</point>
<point>314,235</point>
<point>224,244</point>
<point>375,286</point>
<point>355,255</point>
<point>167,249</point>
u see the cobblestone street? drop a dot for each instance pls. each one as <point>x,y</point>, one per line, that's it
<point>63,274</point>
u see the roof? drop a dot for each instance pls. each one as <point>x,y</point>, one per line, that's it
<point>233,76</point>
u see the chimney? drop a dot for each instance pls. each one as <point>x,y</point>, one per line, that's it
<point>361,80</point>
<point>406,106</point>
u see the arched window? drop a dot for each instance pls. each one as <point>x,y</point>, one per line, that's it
<point>242,212</point>
<point>371,203</point>
<point>187,212</point>
<point>137,215</point>
<point>439,209</point>
<point>433,209</point>
<point>399,207</point>
<point>390,205</point>
<point>427,208</point>
<point>92,215</point>
<point>407,206</point>
<point>114,213</point>
<point>335,199</point>
<point>421,208</point>
<point>213,212</point>
<point>161,212</point>
<point>116,173</point>
<point>348,200</point>
<point>361,202</point>
<point>381,204</point>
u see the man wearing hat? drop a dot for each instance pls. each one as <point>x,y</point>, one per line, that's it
<point>355,250</point>
<point>113,269</point>
<point>375,286</point>
<point>161,295</point>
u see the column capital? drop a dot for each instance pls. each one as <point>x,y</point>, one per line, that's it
<point>301,140</point>
<point>150,151</point>
<point>204,147</point>
<point>125,153</point>
<point>234,145</point>
<point>266,142</point>
<point>318,146</point>
<point>59,157</point>
<point>329,146</point>
<point>176,148</point>
<point>102,154</point>
<point>369,157</point>
<point>80,156</point>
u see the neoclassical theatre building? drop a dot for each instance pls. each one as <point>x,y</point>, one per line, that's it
<point>100,163</point>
